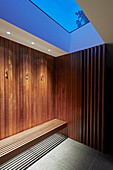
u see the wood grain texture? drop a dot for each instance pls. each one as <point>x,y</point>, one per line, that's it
<point>72,90</point>
<point>11,146</point>
<point>24,103</point>
<point>2,87</point>
<point>103,95</point>
<point>84,95</point>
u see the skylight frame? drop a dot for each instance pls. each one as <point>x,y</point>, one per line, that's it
<point>56,21</point>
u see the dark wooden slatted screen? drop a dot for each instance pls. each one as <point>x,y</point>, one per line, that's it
<point>83,87</point>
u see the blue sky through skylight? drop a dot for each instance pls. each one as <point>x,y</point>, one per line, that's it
<point>66,13</point>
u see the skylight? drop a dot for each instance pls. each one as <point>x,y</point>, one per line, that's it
<point>66,13</point>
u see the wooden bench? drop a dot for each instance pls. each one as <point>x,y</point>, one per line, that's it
<point>12,146</point>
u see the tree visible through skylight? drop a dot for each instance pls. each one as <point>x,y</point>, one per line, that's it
<point>66,13</point>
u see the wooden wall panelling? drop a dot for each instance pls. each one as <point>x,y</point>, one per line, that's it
<point>21,88</point>
<point>73,94</point>
<point>59,89</point>
<point>34,87</point>
<point>64,97</point>
<point>95,97</point>
<point>80,85</point>
<point>51,86</point>
<point>37,81</point>
<point>17,88</point>
<point>72,90</point>
<point>46,80</point>
<point>98,97</point>
<point>10,89</point>
<point>26,90</point>
<point>88,116</point>
<point>41,83</point>
<point>68,91</point>
<point>84,98</point>
<point>7,90</point>
<point>39,92</point>
<point>29,88</point>
<point>91,96</point>
<point>2,95</point>
<point>103,82</point>
<point>44,97</point>
<point>55,87</point>
<point>77,95</point>
<point>48,94</point>
<point>14,88</point>
<point>23,103</point>
<point>63,92</point>
<point>42,87</point>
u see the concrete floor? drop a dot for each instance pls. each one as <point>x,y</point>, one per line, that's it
<point>72,155</point>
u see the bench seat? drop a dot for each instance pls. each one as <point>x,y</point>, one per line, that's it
<point>12,146</point>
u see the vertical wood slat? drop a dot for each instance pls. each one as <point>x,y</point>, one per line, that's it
<point>83,103</point>
<point>98,98</point>
<point>17,88</point>
<point>7,90</point>
<point>91,98</point>
<point>40,90</point>
<point>75,92</point>
<point>78,99</point>
<point>74,84</point>
<point>14,89</point>
<point>48,96</point>
<point>84,113</point>
<point>10,89</point>
<point>29,89</point>
<point>34,88</point>
<point>95,88</point>
<point>21,88</point>
<point>24,87</point>
<point>87,132</point>
<point>26,91</point>
<point>103,81</point>
<point>2,95</point>
<point>81,116</point>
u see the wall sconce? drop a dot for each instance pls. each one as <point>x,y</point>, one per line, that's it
<point>6,73</point>
<point>41,77</point>
<point>27,76</point>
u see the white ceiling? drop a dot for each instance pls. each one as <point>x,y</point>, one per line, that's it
<point>100,14</point>
<point>20,36</point>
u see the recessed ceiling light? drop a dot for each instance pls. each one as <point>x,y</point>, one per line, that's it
<point>8,32</point>
<point>49,50</point>
<point>32,42</point>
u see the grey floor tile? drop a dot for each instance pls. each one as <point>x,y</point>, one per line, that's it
<point>45,162</point>
<point>63,147</point>
<point>79,159</point>
<point>60,165</point>
<point>87,148</point>
<point>102,162</point>
<point>72,155</point>
<point>70,141</point>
